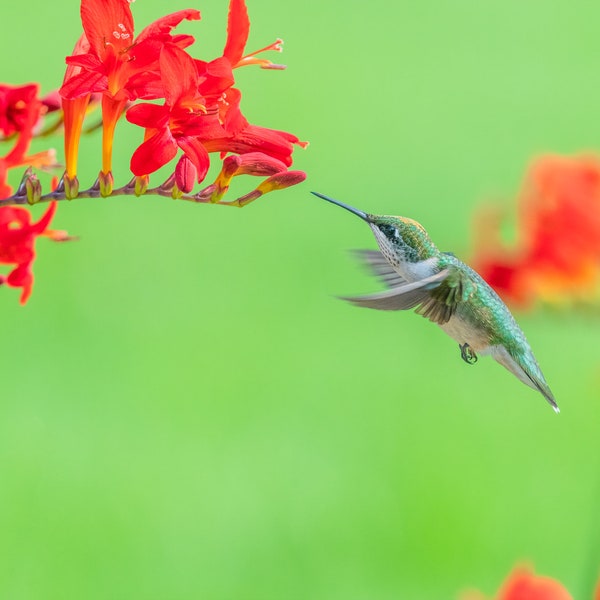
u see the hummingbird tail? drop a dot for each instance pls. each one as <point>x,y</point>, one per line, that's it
<point>529,374</point>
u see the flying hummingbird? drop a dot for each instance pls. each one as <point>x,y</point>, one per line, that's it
<point>446,291</point>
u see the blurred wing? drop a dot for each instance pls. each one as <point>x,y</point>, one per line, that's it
<point>379,266</point>
<point>404,296</point>
<point>443,299</point>
<point>435,297</point>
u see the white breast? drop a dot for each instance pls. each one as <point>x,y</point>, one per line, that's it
<point>416,271</point>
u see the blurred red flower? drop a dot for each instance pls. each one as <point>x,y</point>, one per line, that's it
<point>556,256</point>
<point>523,584</point>
<point>20,113</point>
<point>17,241</point>
<point>19,108</point>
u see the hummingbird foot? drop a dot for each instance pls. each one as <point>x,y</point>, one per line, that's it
<point>467,354</point>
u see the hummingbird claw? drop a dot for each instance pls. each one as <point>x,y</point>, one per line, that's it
<point>467,354</point>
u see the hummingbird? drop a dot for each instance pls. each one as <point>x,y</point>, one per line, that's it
<point>446,291</point>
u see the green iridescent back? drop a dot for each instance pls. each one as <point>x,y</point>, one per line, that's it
<point>486,308</point>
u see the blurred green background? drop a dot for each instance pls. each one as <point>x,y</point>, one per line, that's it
<point>188,412</point>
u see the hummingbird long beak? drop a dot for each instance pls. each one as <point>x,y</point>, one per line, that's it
<point>359,213</point>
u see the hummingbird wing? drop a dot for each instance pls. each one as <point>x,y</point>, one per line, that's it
<point>379,266</point>
<point>442,301</point>
<point>436,297</point>
<point>404,296</point>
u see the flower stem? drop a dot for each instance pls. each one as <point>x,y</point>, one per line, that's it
<point>166,189</point>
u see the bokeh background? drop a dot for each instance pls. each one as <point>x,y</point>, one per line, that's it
<point>188,412</point>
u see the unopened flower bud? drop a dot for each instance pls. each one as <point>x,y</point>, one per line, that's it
<point>231,164</point>
<point>176,193</point>
<point>185,174</point>
<point>141,185</point>
<point>281,181</point>
<point>33,188</point>
<point>71,186</point>
<point>260,164</point>
<point>229,168</point>
<point>106,182</point>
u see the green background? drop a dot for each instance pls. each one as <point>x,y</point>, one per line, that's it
<point>186,409</point>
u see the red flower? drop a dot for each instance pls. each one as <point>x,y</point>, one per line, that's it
<point>74,110</point>
<point>523,584</point>
<point>201,114</point>
<point>216,85</point>
<point>20,113</point>
<point>557,253</point>
<point>118,65</point>
<point>178,123</point>
<point>20,109</point>
<point>115,57</point>
<point>17,240</point>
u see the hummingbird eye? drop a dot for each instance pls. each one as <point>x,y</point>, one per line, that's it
<point>389,231</point>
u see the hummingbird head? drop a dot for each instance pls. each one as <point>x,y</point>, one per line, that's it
<point>399,238</point>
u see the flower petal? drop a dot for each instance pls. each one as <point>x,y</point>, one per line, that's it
<point>14,214</point>
<point>148,115</point>
<point>232,117</point>
<point>87,82</point>
<point>153,153</point>
<point>107,23</point>
<point>165,24</point>
<point>178,73</point>
<point>196,152</point>
<point>278,144</point>
<point>41,226</point>
<point>215,76</point>
<point>22,276</point>
<point>17,240</point>
<point>238,27</point>
<point>83,61</point>
<point>145,85</point>
<point>205,127</point>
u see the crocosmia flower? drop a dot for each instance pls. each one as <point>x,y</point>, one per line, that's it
<point>223,100</point>
<point>556,255</point>
<point>191,109</point>
<point>201,113</point>
<point>21,112</point>
<point>176,124</point>
<point>119,65</point>
<point>524,584</point>
<point>20,109</point>
<point>17,240</point>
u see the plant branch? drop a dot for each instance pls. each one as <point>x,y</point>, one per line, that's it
<point>29,192</point>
